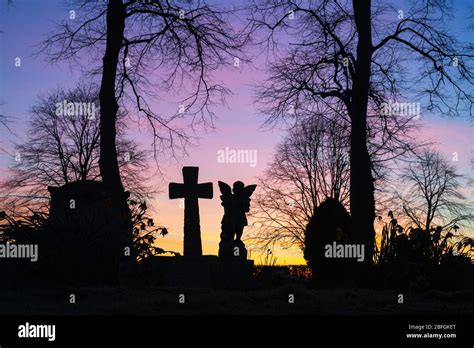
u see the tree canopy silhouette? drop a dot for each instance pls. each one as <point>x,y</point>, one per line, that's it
<point>181,44</point>
<point>148,48</point>
<point>65,148</point>
<point>433,194</point>
<point>310,165</point>
<point>357,56</point>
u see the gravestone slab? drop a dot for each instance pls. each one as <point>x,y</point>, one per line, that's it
<point>86,235</point>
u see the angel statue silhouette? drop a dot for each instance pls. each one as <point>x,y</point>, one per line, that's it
<point>236,203</point>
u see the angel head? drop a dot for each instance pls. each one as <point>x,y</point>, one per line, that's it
<point>238,187</point>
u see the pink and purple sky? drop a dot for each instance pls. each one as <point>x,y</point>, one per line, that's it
<point>26,23</point>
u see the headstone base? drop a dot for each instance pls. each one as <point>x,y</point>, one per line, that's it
<point>199,272</point>
<point>235,273</point>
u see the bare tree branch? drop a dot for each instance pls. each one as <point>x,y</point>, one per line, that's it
<point>62,148</point>
<point>180,44</point>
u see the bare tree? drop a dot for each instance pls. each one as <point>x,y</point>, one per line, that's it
<point>180,43</point>
<point>310,165</point>
<point>358,56</point>
<point>432,193</point>
<point>63,146</point>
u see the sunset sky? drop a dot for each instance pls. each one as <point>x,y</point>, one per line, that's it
<point>26,23</point>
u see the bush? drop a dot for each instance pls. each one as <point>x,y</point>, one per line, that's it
<point>414,258</point>
<point>330,223</point>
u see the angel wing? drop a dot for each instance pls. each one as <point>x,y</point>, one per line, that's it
<point>248,190</point>
<point>225,189</point>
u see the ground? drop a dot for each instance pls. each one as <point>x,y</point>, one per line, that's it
<point>165,301</point>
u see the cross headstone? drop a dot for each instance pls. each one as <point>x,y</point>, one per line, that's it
<point>191,191</point>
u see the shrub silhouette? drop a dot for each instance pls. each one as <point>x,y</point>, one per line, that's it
<point>145,233</point>
<point>330,223</point>
<point>419,259</point>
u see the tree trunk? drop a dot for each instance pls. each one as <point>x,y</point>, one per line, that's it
<point>108,162</point>
<point>119,226</point>
<point>361,181</point>
<point>428,217</point>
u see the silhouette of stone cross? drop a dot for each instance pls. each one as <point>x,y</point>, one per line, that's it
<point>191,191</point>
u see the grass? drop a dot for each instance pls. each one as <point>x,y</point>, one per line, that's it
<point>266,300</point>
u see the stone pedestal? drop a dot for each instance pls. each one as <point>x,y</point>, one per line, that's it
<point>199,272</point>
<point>234,273</point>
<point>180,271</point>
<point>232,249</point>
<point>234,270</point>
